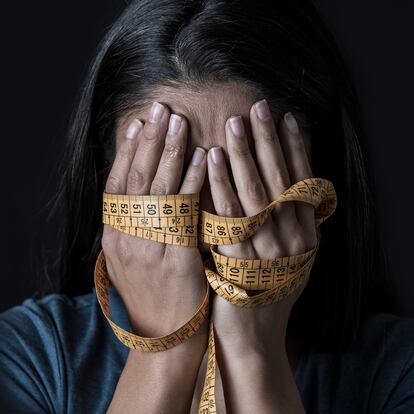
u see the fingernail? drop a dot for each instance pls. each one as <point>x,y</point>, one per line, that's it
<point>174,124</point>
<point>262,110</point>
<point>236,125</point>
<point>133,129</point>
<point>291,123</point>
<point>156,112</point>
<point>198,156</point>
<point>217,155</point>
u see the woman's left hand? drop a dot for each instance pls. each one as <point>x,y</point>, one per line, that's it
<point>282,160</point>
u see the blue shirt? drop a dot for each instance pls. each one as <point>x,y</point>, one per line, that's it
<point>59,355</point>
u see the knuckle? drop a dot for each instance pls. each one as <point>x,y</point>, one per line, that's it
<point>173,151</point>
<point>192,177</point>
<point>242,150</point>
<point>229,208</point>
<point>124,152</point>
<point>298,244</point>
<point>276,249</point>
<point>280,184</point>
<point>135,180</point>
<point>221,179</point>
<point>159,187</point>
<point>266,136</point>
<point>281,180</point>
<point>254,190</point>
<point>150,132</point>
<point>113,183</point>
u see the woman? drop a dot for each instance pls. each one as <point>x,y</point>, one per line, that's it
<point>236,101</point>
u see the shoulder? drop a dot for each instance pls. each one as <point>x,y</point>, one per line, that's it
<point>45,322</point>
<point>374,375</point>
<point>41,314</point>
<point>34,342</point>
<point>50,348</point>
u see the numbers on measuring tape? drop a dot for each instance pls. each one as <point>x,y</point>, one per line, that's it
<point>151,209</point>
<point>236,230</point>
<point>167,209</point>
<point>184,208</point>
<point>136,208</point>
<point>124,208</point>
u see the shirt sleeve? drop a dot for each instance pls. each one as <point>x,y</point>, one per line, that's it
<point>31,377</point>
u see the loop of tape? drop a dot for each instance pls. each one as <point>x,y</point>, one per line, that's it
<point>174,219</point>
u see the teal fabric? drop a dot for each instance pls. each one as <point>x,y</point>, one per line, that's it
<point>59,355</point>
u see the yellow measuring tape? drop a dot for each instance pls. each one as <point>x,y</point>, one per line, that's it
<point>174,219</point>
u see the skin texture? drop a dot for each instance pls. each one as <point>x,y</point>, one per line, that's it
<point>255,169</point>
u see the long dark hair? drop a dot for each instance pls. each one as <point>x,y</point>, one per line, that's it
<point>285,51</point>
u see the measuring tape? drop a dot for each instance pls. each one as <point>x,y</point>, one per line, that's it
<point>174,219</point>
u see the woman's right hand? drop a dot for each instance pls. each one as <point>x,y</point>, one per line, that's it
<point>161,285</point>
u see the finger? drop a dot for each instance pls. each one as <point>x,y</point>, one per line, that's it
<point>147,157</point>
<point>226,202</point>
<point>192,183</point>
<point>196,172</point>
<point>168,175</point>
<point>299,167</point>
<point>144,167</point>
<point>116,182</point>
<point>271,161</point>
<point>250,189</point>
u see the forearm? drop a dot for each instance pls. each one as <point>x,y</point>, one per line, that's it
<point>254,383</point>
<point>160,382</point>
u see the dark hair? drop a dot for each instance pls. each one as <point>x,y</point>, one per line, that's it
<point>283,50</point>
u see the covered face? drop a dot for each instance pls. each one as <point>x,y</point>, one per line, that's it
<point>206,111</point>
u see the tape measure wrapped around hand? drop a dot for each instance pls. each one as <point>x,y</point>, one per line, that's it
<point>142,216</point>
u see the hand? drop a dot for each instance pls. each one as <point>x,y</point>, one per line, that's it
<point>162,285</point>
<point>289,230</point>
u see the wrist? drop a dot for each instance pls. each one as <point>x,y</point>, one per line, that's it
<point>252,345</point>
<point>261,361</point>
<point>178,360</point>
<point>163,379</point>
<point>254,382</point>
<point>155,317</point>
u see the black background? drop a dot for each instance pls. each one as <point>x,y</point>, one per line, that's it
<point>47,47</point>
